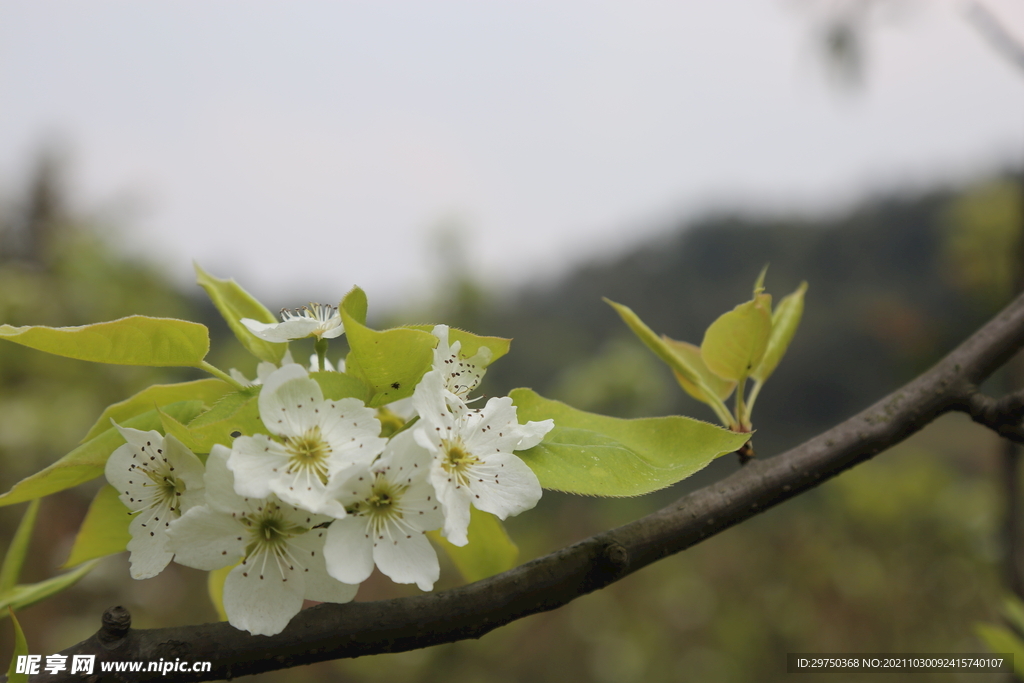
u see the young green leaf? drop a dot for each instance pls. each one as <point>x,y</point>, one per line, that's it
<point>20,650</point>
<point>18,550</point>
<point>135,340</point>
<point>759,283</point>
<point>390,362</point>
<point>785,321</point>
<point>735,343</point>
<point>104,530</point>
<point>339,385</point>
<point>24,595</point>
<point>605,456</point>
<point>234,303</point>
<point>655,343</point>
<point>490,551</point>
<point>88,460</point>
<point>690,354</point>
<point>235,414</point>
<point>206,390</point>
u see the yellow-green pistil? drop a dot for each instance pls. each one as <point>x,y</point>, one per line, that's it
<point>308,453</point>
<point>457,460</point>
<point>269,533</point>
<point>166,488</point>
<point>383,503</point>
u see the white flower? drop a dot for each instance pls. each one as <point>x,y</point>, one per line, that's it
<point>460,375</point>
<point>280,549</point>
<point>390,506</point>
<point>316,320</point>
<point>263,370</point>
<point>318,439</point>
<point>472,450</point>
<point>157,479</point>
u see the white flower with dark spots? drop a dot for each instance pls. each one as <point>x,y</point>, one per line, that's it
<point>472,455</point>
<point>391,505</point>
<point>460,375</point>
<point>278,548</point>
<point>158,479</point>
<point>314,441</point>
<point>315,320</point>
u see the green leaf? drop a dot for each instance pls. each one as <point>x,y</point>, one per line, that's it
<point>655,343</point>
<point>339,385</point>
<point>235,413</point>
<point>29,594</point>
<point>88,460</point>
<point>759,283</point>
<point>735,343</point>
<point>135,340</point>
<point>489,551</point>
<point>1000,639</point>
<point>234,303</point>
<point>605,456</point>
<point>785,321</point>
<point>20,650</point>
<point>104,530</point>
<point>18,550</point>
<point>471,343</point>
<point>206,390</point>
<point>690,354</point>
<point>391,362</point>
<point>215,587</point>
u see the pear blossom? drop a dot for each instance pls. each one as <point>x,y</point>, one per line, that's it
<point>390,505</point>
<point>460,375</point>
<point>472,455</point>
<point>263,370</point>
<point>278,549</point>
<point>158,479</point>
<point>315,320</point>
<point>317,440</point>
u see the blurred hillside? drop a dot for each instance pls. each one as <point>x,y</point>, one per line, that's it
<point>898,554</point>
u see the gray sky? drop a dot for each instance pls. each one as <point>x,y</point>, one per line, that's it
<point>303,147</point>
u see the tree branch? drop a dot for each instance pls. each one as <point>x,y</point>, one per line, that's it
<point>1003,416</point>
<point>329,631</point>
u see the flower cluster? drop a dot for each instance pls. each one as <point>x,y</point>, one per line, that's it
<point>307,509</point>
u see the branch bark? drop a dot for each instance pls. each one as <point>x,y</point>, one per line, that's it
<point>337,631</point>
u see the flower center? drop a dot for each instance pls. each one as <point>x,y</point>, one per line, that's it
<point>269,532</point>
<point>308,453</point>
<point>166,489</point>
<point>457,459</point>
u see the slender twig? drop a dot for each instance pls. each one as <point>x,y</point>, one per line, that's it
<point>329,632</point>
<point>1002,416</point>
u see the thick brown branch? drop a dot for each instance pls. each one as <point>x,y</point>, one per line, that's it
<point>336,631</point>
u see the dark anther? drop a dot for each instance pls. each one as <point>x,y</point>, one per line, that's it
<point>116,624</point>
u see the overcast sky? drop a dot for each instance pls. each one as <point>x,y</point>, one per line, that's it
<point>303,147</point>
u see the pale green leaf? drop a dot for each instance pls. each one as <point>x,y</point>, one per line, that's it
<point>690,354</point>
<point>234,303</point>
<point>135,340</point>
<point>235,414</point>
<point>785,321</point>
<point>605,456</point>
<point>18,550</point>
<point>391,362</point>
<point>206,390</point>
<point>88,460</point>
<point>29,594</point>
<point>490,551</point>
<point>104,530</point>
<point>339,385</point>
<point>655,343</point>
<point>20,650</point>
<point>735,343</point>
<point>759,283</point>
<point>1001,640</point>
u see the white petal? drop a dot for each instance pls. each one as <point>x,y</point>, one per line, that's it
<point>220,483</point>
<point>532,433</point>
<point>289,401</point>
<point>504,485</point>
<point>408,558</point>
<point>349,550</point>
<point>255,462</point>
<point>429,401</point>
<point>296,328</point>
<point>320,586</point>
<point>148,548</point>
<point>206,539</point>
<point>258,599</point>
<point>455,505</point>
<point>183,463</point>
<point>333,332</point>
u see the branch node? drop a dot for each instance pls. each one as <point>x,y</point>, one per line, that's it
<point>116,623</point>
<point>617,556</point>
